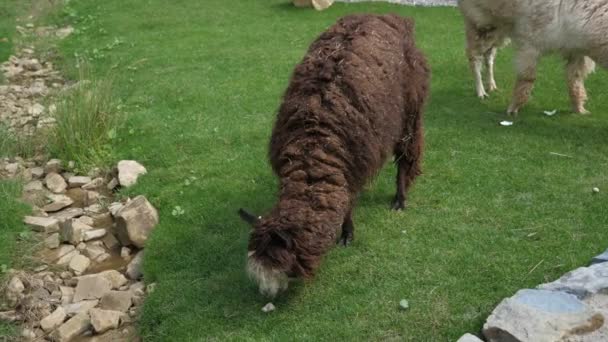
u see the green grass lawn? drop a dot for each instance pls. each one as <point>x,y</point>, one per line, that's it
<point>493,212</point>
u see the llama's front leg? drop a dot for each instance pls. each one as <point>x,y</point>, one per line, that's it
<point>526,60</point>
<point>577,69</point>
<point>348,230</point>
<point>476,63</point>
<point>490,57</point>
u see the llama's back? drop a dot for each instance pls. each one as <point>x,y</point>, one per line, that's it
<point>347,98</point>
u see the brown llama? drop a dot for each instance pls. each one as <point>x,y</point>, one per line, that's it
<point>356,97</point>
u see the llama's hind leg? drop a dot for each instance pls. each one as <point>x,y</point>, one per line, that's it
<point>407,158</point>
<point>526,60</point>
<point>577,69</point>
<point>348,230</point>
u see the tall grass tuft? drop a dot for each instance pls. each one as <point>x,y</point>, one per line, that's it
<point>87,118</point>
<point>12,144</point>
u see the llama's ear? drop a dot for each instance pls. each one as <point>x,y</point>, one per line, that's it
<point>285,238</point>
<point>248,217</point>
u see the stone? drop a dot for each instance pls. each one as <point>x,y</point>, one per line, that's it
<point>581,282</point>
<point>537,315</point>
<point>28,334</point>
<point>94,209</point>
<point>129,171</point>
<point>37,172</point>
<point>15,286</point>
<point>134,269</point>
<point>67,294</point>
<point>60,252</point>
<point>469,338</point>
<point>91,287</point>
<point>115,208</point>
<point>103,257</point>
<point>42,224</point>
<point>58,202</point>
<point>53,165</point>
<point>67,214</point>
<point>115,278</point>
<point>404,304</point>
<point>95,184</point>
<point>116,300</point>
<point>94,234</point>
<point>34,185</point>
<point>112,184</point>
<point>80,307</point>
<point>79,264</point>
<point>79,197</point>
<point>600,258</point>
<point>78,181</point>
<point>73,231</point>
<point>103,220</point>
<point>87,220</point>
<point>268,308</point>
<point>10,316</point>
<point>596,190</point>
<point>64,32</point>
<point>125,253</point>
<point>104,320</point>
<point>81,246</point>
<point>52,241</point>
<point>66,259</point>
<point>53,320</point>
<point>74,327</point>
<point>135,222</point>
<point>110,241</point>
<point>94,252</point>
<point>12,169</point>
<point>55,183</point>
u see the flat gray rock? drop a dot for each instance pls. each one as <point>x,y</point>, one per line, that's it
<point>538,315</point>
<point>581,282</point>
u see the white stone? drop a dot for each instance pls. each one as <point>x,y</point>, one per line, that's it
<point>136,221</point>
<point>79,264</point>
<point>15,285</point>
<point>129,171</point>
<point>78,181</point>
<point>469,338</point>
<point>268,307</point>
<point>94,234</point>
<point>55,183</point>
<point>53,320</point>
<point>125,253</point>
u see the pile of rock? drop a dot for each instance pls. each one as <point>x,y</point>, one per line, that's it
<point>29,81</point>
<point>573,308</point>
<point>90,281</point>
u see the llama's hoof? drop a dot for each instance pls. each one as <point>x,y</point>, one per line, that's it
<point>582,111</point>
<point>398,205</point>
<point>483,96</point>
<point>346,240</point>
